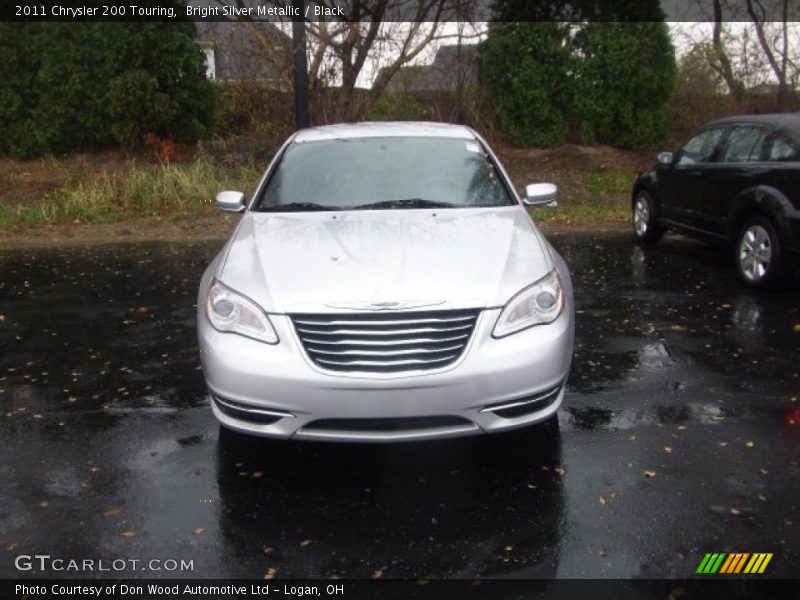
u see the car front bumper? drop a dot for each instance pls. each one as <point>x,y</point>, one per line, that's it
<point>497,384</point>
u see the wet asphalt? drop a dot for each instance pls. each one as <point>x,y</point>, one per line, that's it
<point>676,437</point>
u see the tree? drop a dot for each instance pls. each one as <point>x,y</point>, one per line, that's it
<point>524,69</point>
<point>604,69</point>
<point>754,44</point>
<point>624,82</point>
<point>70,86</point>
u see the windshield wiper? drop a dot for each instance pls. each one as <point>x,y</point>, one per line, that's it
<point>296,207</point>
<point>405,203</point>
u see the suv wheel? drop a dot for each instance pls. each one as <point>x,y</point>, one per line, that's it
<point>644,219</point>
<point>759,262</point>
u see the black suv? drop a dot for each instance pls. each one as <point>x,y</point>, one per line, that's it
<point>736,182</point>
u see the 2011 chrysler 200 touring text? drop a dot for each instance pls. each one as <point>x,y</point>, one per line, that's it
<point>385,283</point>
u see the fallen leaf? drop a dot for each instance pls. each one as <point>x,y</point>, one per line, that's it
<point>509,548</point>
<point>649,473</point>
<point>723,444</point>
<point>37,416</point>
<point>44,503</point>
<point>762,497</point>
<point>256,474</point>
<point>736,512</point>
<point>560,470</point>
<point>111,512</point>
<point>796,328</point>
<point>198,530</point>
<point>434,521</point>
<point>305,543</point>
<point>667,449</point>
<point>268,550</point>
<point>377,574</point>
<point>750,444</point>
<point>602,501</point>
<point>763,471</point>
<point>270,573</point>
<point>128,533</point>
<point>631,438</point>
<point>12,546</point>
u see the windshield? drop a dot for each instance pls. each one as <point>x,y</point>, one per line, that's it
<point>384,173</point>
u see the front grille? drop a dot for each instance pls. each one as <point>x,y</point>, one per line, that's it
<point>385,342</point>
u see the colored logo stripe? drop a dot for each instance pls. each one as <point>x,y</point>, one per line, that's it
<point>734,562</point>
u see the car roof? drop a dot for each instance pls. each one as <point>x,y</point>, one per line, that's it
<point>384,129</point>
<point>789,121</point>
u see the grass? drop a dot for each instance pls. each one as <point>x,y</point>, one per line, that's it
<point>603,199</point>
<point>609,182</point>
<point>592,193</point>
<point>135,190</point>
<point>583,214</point>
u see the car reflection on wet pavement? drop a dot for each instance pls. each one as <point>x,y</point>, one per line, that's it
<point>676,437</point>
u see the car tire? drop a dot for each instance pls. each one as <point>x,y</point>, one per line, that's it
<point>643,219</point>
<point>758,254</point>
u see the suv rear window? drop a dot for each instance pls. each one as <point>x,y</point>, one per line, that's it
<point>783,150</point>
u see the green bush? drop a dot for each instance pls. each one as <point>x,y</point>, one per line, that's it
<point>609,81</point>
<point>68,86</point>
<point>623,83</point>
<point>522,69</point>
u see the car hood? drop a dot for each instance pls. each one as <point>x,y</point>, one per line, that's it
<point>384,259</point>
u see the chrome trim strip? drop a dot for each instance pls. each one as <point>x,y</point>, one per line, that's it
<point>257,411</point>
<point>515,403</point>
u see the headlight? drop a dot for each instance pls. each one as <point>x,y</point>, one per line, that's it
<point>229,311</point>
<point>538,304</point>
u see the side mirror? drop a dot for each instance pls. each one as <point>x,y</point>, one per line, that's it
<point>665,158</point>
<point>231,201</point>
<point>541,194</point>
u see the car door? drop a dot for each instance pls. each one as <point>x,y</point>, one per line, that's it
<point>739,166</point>
<point>683,185</point>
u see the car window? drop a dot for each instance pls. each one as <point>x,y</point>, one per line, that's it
<point>700,148</point>
<point>393,171</point>
<point>782,149</point>
<point>743,145</point>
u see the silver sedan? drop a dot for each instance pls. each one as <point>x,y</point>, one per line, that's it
<point>385,282</point>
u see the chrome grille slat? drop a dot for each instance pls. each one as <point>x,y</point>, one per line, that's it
<point>387,331</point>
<point>388,363</point>
<point>371,343</point>
<point>378,322</point>
<point>385,343</point>
<point>385,352</point>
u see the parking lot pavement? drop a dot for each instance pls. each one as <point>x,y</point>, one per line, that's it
<point>675,439</point>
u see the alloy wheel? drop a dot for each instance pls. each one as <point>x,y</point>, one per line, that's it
<point>755,253</point>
